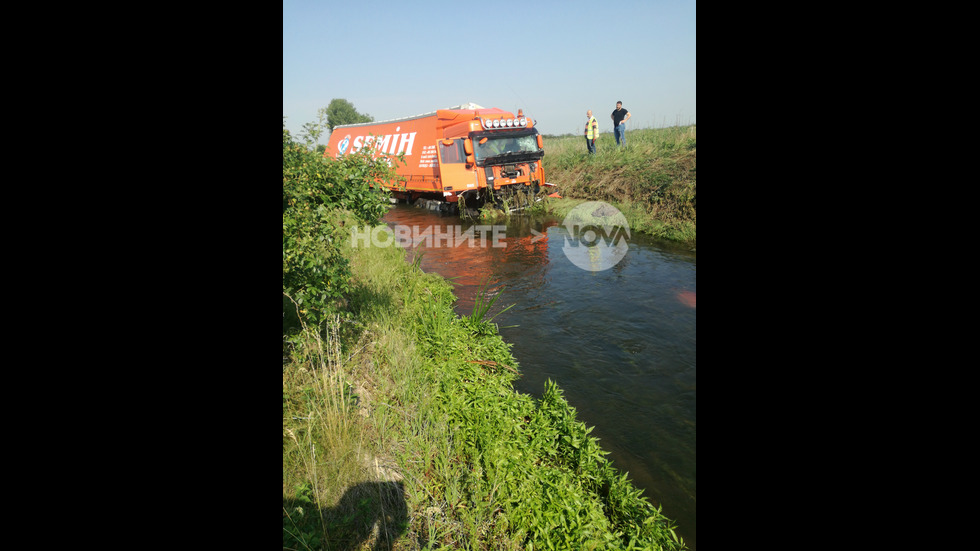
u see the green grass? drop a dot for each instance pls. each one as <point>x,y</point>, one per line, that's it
<point>401,425</point>
<point>652,180</point>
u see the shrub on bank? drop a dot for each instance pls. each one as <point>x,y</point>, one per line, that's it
<point>314,272</point>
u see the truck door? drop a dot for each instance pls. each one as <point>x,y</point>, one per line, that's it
<point>454,173</point>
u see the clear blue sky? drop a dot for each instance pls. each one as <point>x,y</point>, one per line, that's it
<point>554,59</point>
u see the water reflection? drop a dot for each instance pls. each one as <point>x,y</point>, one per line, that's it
<point>621,343</point>
<point>473,263</point>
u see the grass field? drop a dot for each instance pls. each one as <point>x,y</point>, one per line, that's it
<point>652,180</point>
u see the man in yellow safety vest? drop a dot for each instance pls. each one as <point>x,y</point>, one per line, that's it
<point>591,132</point>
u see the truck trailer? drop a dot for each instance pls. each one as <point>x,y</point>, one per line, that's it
<point>463,156</point>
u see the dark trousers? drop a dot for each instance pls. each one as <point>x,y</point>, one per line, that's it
<point>591,145</point>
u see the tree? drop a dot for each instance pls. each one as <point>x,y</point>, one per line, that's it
<point>311,134</point>
<point>341,111</point>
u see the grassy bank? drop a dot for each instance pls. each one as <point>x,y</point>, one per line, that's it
<point>400,424</point>
<point>652,180</point>
<point>401,427</point>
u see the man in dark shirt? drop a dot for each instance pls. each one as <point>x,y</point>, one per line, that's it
<point>619,117</point>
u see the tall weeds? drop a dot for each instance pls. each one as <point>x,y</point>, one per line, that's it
<point>654,177</point>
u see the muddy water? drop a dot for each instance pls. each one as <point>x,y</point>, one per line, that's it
<point>621,343</point>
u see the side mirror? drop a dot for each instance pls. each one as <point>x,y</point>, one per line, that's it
<point>540,142</point>
<point>468,149</point>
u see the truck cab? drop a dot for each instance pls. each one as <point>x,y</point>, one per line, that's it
<point>495,158</point>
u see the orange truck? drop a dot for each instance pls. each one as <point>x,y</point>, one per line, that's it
<point>466,155</point>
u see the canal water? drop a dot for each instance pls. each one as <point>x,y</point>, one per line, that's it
<point>620,342</point>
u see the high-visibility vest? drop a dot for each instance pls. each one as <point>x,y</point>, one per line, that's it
<point>591,129</point>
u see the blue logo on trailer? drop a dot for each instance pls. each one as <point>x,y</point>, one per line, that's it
<point>342,146</point>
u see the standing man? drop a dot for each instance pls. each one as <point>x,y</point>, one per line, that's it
<point>619,117</point>
<point>591,132</point>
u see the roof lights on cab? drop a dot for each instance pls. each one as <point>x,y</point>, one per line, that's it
<point>504,123</point>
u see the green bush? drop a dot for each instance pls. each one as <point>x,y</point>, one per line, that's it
<point>315,192</point>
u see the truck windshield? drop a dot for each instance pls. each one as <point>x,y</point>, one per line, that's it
<point>498,145</point>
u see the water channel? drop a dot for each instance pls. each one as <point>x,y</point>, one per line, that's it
<point>621,342</point>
